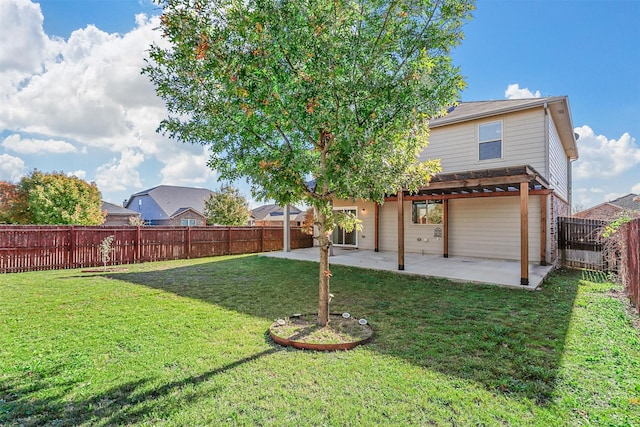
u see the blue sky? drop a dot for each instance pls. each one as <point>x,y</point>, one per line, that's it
<point>72,98</point>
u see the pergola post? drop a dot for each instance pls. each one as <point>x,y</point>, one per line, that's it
<point>524,233</point>
<point>445,228</point>
<point>286,224</point>
<point>400,230</point>
<point>376,227</point>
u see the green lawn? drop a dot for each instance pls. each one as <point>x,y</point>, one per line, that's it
<point>184,343</point>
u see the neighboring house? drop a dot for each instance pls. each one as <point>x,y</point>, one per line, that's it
<point>171,205</point>
<point>117,215</point>
<point>610,210</point>
<point>273,215</point>
<point>506,177</point>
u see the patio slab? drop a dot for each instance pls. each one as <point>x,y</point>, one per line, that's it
<point>458,269</point>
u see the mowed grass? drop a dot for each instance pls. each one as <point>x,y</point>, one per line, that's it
<point>184,343</point>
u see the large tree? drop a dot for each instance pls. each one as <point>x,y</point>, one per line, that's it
<point>55,198</point>
<point>310,100</point>
<point>227,206</point>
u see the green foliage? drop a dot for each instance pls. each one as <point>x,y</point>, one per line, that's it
<point>337,93</point>
<point>227,207</point>
<point>55,198</point>
<point>613,227</point>
<point>283,91</point>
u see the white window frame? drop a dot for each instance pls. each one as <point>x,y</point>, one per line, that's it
<point>190,222</point>
<point>480,142</point>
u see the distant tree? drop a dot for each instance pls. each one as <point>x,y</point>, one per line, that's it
<point>308,223</point>
<point>55,198</point>
<point>227,207</point>
<point>11,203</point>
<point>578,207</point>
<point>136,220</point>
<point>337,93</point>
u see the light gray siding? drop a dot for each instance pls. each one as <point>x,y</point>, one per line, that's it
<point>558,171</point>
<point>490,228</point>
<point>428,244</point>
<point>523,137</point>
<point>389,227</point>
<point>481,227</point>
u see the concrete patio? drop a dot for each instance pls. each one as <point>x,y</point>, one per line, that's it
<point>458,269</point>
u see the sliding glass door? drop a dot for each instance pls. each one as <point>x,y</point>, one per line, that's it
<point>342,238</point>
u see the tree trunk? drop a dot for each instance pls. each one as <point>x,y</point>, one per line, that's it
<point>323,241</point>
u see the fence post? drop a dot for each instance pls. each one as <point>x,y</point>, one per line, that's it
<point>229,240</point>
<point>138,243</point>
<point>188,243</point>
<point>561,241</point>
<point>262,239</point>
<point>72,247</point>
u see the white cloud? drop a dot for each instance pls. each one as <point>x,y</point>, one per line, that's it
<point>122,174</point>
<point>604,157</point>
<point>612,196</point>
<point>184,168</point>
<point>78,174</point>
<point>88,89</point>
<point>11,168</point>
<point>22,41</point>
<point>636,189</point>
<point>36,146</point>
<point>515,92</point>
<point>596,190</point>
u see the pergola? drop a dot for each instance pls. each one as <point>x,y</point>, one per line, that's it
<point>521,181</point>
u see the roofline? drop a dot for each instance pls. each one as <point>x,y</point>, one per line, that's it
<point>534,102</point>
<point>186,209</point>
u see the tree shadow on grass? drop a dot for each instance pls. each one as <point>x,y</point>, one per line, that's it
<point>127,403</point>
<point>511,341</point>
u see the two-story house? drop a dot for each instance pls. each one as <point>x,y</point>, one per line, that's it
<point>170,205</point>
<point>506,177</point>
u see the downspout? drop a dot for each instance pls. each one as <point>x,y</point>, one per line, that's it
<point>546,143</point>
<point>548,173</point>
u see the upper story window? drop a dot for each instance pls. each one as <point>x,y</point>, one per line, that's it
<point>490,141</point>
<point>426,212</point>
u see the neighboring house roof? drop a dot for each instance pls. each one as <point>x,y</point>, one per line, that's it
<point>117,210</point>
<point>173,200</point>
<point>557,105</point>
<point>609,209</point>
<point>274,213</point>
<point>629,202</point>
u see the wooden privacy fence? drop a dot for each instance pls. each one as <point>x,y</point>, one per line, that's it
<point>631,261</point>
<point>581,244</point>
<point>30,248</point>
